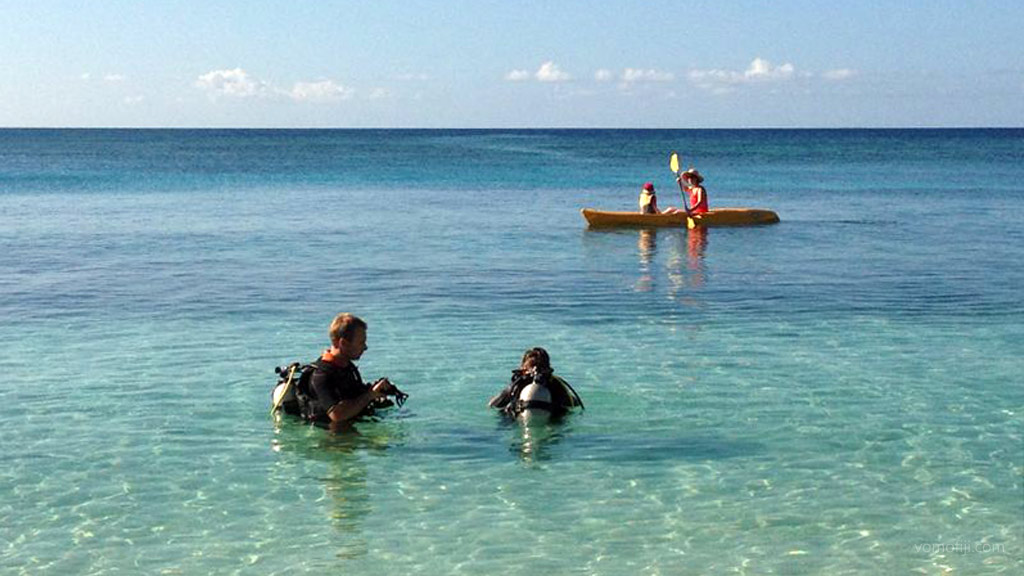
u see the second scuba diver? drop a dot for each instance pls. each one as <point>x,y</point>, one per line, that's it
<point>535,387</point>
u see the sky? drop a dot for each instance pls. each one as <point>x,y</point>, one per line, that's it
<point>512,64</point>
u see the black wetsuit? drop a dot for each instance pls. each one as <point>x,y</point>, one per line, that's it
<point>331,384</point>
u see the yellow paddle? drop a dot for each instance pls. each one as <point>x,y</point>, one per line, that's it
<point>673,164</point>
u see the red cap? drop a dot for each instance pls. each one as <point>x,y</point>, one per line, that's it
<point>649,186</point>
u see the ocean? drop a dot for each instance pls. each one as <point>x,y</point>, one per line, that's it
<point>839,393</point>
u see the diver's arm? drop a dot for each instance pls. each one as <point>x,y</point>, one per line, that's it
<point>565,394</point>
<point>353,407</point>
<point>502,399</point>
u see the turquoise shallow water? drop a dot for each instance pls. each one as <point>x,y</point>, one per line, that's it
<point>838,393</point>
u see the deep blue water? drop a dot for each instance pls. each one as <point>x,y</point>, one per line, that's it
<point>838,393</point>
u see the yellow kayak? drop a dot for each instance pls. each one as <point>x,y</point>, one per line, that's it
<point>711,218</point>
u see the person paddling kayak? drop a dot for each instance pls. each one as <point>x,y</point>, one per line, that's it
<point>692,180</point>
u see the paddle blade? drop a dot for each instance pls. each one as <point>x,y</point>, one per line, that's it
<point>673,162</point>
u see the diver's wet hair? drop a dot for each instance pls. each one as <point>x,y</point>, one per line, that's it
<point>539,358</point>
<point>344,327</point>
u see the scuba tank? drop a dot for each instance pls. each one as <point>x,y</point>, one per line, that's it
<point>291,393</point>
<point>540,390</point>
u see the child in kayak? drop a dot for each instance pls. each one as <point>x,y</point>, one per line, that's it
<point>648,200</point>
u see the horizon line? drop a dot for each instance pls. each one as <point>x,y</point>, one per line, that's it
<point>493,128</point>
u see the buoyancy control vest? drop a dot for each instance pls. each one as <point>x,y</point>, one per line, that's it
<point>543,391</point>
<point>293,393</point>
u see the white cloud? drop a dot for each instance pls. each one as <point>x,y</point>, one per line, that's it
<point>630,75</point>
<point>86,76</point>
<point>603,75</point>
<point>759,71</point>
<point>839,74</point>
<point>379,94</point>
<point>235,83</point>
<point>517,76</point>
<point>717,81</point>
<point>114,78</point>
<point>133,100</point>
<point>320,91</point>
<point>549,72</point>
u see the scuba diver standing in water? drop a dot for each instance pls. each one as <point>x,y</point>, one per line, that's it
<point>337,392</point>
<point>330,390</point>
<point>535,387</point>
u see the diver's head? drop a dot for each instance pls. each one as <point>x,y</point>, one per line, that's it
<point>536,359</point>
<point>348,336</point>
